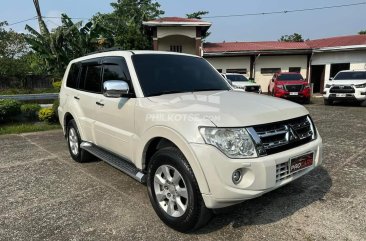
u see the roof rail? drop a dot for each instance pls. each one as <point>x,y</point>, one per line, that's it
<point>105,50</point>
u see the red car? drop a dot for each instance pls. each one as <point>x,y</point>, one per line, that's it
<point>290,85</point>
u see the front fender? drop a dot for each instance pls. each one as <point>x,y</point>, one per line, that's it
<point>181,143</point>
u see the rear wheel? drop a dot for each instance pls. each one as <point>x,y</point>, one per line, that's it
<point>174,192</point>
<point>328,102</point>
<point>74,141</point>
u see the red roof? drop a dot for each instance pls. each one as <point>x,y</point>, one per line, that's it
<point>337,41</point>
<point>177,19</point>
<point>275,45</point>
<point>254,46</point>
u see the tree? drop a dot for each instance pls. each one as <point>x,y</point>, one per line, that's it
<point>362,32</point>
<point>66,42</point>
<point>199,15</point>
<point>292,38</point>
<point>13,48</point>
<point>125,22</point>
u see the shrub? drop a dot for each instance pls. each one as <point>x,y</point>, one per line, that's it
<point>30,111</point>
<point>47,115</point>
<point>57,85</point>
<point>8,109</point>
<point>55,105</point>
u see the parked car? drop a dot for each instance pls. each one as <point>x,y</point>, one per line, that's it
<point>290,85</point>
<point>239,81</point>
<point>346,86</point>
<point>171,121</point>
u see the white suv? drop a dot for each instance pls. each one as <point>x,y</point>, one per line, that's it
<point>239,81</point>
<point>346,85</point>
<point>171,121</point>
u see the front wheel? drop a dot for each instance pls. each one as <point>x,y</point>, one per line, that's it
<point>328,102</point>
<point>174,192</point>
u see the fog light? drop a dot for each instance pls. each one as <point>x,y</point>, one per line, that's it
<point>236,176</point>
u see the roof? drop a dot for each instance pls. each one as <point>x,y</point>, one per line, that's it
<point>340,41</point>
<point>254,46</point>
<point>270,46</point>
<point>176,21</point>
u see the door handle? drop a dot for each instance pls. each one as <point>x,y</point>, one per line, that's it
<point>76,98</point>
<point>98,103</point>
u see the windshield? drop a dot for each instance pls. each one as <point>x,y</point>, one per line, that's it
<point>236,77</point>
<point>351,75</point>
<point>166,73</point>
<point>289,77</point>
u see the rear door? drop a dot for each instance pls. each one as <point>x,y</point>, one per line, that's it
<point>90,88</point>
<point>114,127</point>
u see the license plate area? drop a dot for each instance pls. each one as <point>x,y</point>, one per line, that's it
<point>301,162</point>
<point>341,95</point>
<point>294,93</point>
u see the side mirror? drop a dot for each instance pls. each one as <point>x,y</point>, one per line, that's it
<point>331,78</point>
<point>115,88</point>
<point>272,80</point>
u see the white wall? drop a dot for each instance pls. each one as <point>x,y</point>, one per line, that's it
<point>188,44</point>
<point>168,31</point>
<point>283,62</point>
<point>225,63</point>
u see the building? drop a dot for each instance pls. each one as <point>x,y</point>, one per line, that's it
<point>317,60</point>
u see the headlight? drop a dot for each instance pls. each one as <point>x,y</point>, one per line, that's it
<point>361,86</point>
<point>233,142</point>
<point>279,86</point>
<point>328,86</point>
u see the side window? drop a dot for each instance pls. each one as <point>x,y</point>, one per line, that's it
<point>90,78</point>
<point>115,68</point>
<point>72,78</point>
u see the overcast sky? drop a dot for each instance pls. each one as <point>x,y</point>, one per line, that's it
<point>314,24</point>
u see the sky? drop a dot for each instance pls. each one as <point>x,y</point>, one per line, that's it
<point>312,24</point>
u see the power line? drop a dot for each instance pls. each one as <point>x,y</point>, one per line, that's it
<point>22,21</point>
<point>287,11</point>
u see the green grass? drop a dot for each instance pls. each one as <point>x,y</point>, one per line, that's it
<point>17,128</point>
<point>27,91</point>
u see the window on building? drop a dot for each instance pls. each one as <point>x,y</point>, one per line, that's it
<point>270,70</point>
<point>176,48</point>
<point>294,69</point>
<point>237,71</point>
<point>219,70</point>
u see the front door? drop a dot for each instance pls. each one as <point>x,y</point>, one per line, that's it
<point>114,127</point>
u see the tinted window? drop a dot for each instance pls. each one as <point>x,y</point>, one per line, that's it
<point>351,75</point>
<point>294,69</point>
<point>166,73</point>
<point>90,78</point>
<point>236,77</point>
<point>72,78</point>
<point>270,70</point>
<point>290,77</point>
<point>237,71</point>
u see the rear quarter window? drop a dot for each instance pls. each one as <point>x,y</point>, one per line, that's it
<point>72,78</point>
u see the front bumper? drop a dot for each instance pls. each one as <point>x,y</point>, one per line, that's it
<point>358,95</point>
<point>259,174</point>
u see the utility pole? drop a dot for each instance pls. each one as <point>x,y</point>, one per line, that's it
<point>42,26</point>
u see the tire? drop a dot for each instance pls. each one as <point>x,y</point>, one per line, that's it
<point>307,101</point>
<point>73,143</point>
<point>328,102</point>
<point>181,206</point>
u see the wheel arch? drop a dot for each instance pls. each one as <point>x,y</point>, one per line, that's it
<point>159,137</point>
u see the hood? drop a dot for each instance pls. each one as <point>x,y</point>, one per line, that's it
<point>230,108</point>
<point>244,83</point>
<point>291,82</point>
<point>347,82</point>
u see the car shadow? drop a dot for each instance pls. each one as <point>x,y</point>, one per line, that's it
<point>274,205</point>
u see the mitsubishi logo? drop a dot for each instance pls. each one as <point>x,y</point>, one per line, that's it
<point>341,86</point>
<point>291,135</point>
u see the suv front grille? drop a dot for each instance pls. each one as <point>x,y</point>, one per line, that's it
<point>294,88</point>
<point>342,89</point>
<point>284,135</point>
